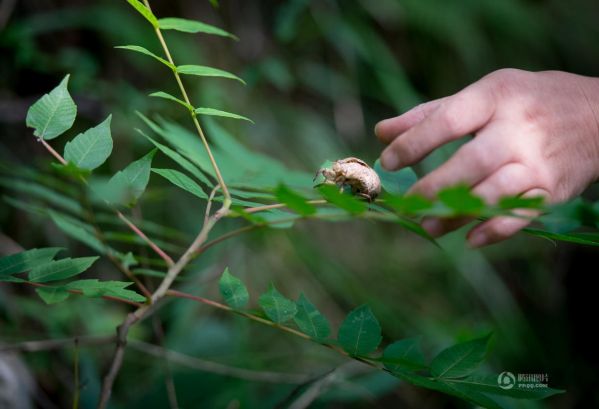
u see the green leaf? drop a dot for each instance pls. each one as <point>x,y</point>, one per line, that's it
<point>410,204</point>
<point>26,260</point>
<point>164,95</point>
<point>192,26</point>
<point>133,179</point>
<point>52,295</point>
<point>360,332</point>
<point>144,11</point>
<point>181,180</point>
<point>60,269</point>
<point>78,231</point>
<point>204,71</point>
<point>474,397</point>
<point>490,384</point>
<point>395,182</point>
<point>147,52</point>
<point>590,239</point>
<point>294,201</point>
<point>461,200</point>
<point>310,321</point>
<point>415,227</point>
<point>404,354</point>
<point>217,112</point>
<point>97,288</point>
<point>180,160</point>
<point>460,360</point>
<point>343,201</point>
<point>91,148</point>
<point>52,114</point>
<point>519,202</point>
<point>278,308</point>
<point>233,290</point>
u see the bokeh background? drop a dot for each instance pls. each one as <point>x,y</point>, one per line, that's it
<point>319,75</point>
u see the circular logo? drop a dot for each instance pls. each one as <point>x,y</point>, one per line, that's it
<point>506,380</point>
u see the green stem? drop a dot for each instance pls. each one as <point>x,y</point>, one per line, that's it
<point>219,177</point>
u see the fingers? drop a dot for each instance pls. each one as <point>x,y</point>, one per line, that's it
<point>388,129</point>
<point>472,163</point>
<point>462,113</point>
<point>502,227</point>
<point>509,180</point>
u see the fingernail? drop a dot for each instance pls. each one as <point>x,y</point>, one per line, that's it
<point>432,227</point>
<point>478,239</point>
<point>389,160</point>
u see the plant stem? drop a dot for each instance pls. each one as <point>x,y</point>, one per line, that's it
<point>217,368</point>
<point>280,205</point>
<point>194,118</point>
<point>51,344</point>
<point>76,375</point>
<point>133,227</point>
<point>169,261</point>
<point>106,297</point>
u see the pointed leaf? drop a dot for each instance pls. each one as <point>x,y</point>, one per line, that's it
<point>60,269</point>
<point>133,179</point>
<point>192,26</point>
<point>343,201</point>
<point>78,231</point>
<point>233,290</point>
<point>91,148</point>
<point>410,204</point>
<point>147,52</point>
<point>278,308</point>
<point>217,112</point>
<point>461,200</point>
<point>491,384</point>
<point>360,332</point>
<point>144,11</point>
<point>310,321</point>
<point>97,288</point>
<point>294,201</point>
<point>52,114</point>
<point>164,95</point>
<point>397,182</point>
<point>404,354</point>
<point>181,180</point>
<point>52,295</point>
<point>180,160</point>
<point>460,360</point>
<point>204,71</point>
<point>26,260</point>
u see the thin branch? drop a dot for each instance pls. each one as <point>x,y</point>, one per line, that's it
<point>133,227</point>
<point>216,304</point>
<point>209,204</point>
<point>76,387</point>
<point>194,118</point>
<point>119,354</point>
<point>52,151</point>
<point>169,261</point>
<point>52,344</point>
<point>218,368</point>
<point>280,205</point>
<point>168,373</point>
<point>72,291</point>
<point>226,236</point>
<point>89,215</point>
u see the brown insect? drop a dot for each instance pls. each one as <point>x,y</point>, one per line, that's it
<point>356,174</point>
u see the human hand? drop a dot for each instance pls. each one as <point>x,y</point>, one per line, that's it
<point>536,134</point>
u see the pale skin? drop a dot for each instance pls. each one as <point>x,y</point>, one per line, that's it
<point>535,134</point>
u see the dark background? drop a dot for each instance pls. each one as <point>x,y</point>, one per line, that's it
<point>320,74</point>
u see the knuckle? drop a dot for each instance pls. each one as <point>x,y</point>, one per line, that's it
<point>406,150</point>
<point>451,118</point>
<point>505,82</point>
